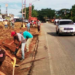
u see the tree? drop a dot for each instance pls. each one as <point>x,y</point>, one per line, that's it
<point>34,12</point>
<point>47,13</point>
<point>73,10</point>
<point>64,13</point>
<point>72,13</point>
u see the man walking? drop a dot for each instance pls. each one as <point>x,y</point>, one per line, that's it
<point>28,26</point>
<point>39,24</point>
<point>27,35</point>
<point>5,24</point>
<point>19,37</point>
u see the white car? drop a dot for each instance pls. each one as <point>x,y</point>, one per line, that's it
<point>65,26</point>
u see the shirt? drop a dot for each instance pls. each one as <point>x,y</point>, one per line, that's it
<point>2,55</point>
<point>28,24</point>
<point>26,34</point>
<point>21,38</point>
<point>39,23</point>
<point>5,22</point>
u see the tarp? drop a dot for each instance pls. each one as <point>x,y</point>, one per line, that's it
<point>33,18</point>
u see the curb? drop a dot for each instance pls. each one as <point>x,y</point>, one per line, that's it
<point>33,56</point>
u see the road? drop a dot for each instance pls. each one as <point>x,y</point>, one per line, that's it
<point>61,53</point>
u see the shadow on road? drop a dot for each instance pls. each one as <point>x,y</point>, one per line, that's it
<point>61,35</point>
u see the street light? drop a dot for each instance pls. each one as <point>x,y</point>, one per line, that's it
<point>6,8</point>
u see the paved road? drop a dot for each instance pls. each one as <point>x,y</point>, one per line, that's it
<point>61,51</point>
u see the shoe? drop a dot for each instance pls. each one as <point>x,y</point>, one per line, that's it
<point>17,65</point>
<point>22,59</point>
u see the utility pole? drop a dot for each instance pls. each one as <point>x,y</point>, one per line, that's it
<point>30,10</point>
<point>23,12</point>
<point>0,9</point>
<point>23,7</point>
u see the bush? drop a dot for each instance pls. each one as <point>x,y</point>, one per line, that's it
<point>74,19</point>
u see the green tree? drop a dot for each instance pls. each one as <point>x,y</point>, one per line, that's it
<point>44,14</point>
<point>34,12</point>
<point>64,13</point>
<point>72,13</point>
<point>73,10</point>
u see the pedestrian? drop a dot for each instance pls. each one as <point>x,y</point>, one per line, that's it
<point>13,24</point>
<point>4,53</point>
<point>9,24</point>
<point>19,37</point>
<point>5,24</point>
<point>28,36</point>
<point>38,25</point>
<point>28,26</point>
<point>32,22</point>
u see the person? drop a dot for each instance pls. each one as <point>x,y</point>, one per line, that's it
<point>9,24</point>
<point>12,22</point>
<point>32,22</point>
<point>39,24</point>
<point>19,37</point>
<point>27,35</point>
<point>28,26</point>
<point>5,23</point>
<point>4,53</point>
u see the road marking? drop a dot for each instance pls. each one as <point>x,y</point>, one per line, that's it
<point>49,55</point>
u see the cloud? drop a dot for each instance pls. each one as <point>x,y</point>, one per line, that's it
<point>54,4</point>
<point>10,1</point>
<point>11,11</point>
<point>14,6</point>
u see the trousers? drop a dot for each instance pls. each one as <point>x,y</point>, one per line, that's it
<point>22,50</point>
<point>28,42</point>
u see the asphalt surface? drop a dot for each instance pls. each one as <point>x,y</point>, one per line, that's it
<point>60,51</point>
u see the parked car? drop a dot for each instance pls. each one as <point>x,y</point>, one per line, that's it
<point>56,21</point>
<point>65,26</point>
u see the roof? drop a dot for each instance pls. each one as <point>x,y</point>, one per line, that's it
<point>33,18</point>
<point>16,17</point>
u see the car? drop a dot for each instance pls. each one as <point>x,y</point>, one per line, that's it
<point>56,21</point>
<point>65,26</point>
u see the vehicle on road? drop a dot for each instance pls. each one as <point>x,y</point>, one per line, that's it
<point>65,26</point>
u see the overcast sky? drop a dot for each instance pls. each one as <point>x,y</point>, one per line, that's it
<point>14,6</point>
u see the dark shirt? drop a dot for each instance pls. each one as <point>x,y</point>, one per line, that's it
<point>2,55</point>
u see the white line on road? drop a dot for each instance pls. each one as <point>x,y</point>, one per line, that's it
<point>49,55</point>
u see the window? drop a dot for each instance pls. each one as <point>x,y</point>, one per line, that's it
<point>65,22</point>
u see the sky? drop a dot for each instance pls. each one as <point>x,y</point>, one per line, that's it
<point>15,6</point>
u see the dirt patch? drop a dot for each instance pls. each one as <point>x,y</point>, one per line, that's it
<point>5,39</point>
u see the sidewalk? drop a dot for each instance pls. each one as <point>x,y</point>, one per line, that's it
<point>41,67</point>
